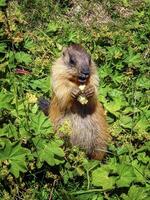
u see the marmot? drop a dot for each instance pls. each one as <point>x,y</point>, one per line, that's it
<point>88,122</point>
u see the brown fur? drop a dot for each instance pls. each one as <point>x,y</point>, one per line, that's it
<point>88,123</point>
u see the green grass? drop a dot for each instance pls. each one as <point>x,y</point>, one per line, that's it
<point>34,162</point>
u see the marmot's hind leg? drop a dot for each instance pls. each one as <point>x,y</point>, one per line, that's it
<point>97,155</point>
<point>100,147</point>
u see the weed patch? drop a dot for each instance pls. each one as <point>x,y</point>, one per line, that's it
<point>34,162</point>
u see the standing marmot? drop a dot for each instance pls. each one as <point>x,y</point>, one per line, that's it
<point>88,124</point>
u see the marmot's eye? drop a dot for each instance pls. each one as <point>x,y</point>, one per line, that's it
<point>72,61</point>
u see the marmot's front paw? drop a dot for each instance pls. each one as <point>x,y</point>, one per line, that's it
<point>75,92</point>
<point>89,91</point>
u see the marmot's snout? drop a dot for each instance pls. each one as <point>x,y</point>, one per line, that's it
<point>84,74</point>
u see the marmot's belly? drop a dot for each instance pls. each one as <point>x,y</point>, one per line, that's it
<point>84,131</point>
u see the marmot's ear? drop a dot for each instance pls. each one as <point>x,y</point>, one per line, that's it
<point>64,51</point>
<point>65,55</point>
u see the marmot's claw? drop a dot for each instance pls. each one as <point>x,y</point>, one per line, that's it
<point>75,93</point>
<point>89,91</point>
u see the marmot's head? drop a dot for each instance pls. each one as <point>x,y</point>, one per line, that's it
<point>78,62</point>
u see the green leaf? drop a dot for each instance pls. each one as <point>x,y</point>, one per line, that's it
<point>139,171</point>
<point>137,193</point>
<point>143,82</point>
<point>2,2</point>
<point>20,109</point>
<point>41,124</point>
<point>22,57</point>
<point>126,175</point>
<point>126,121</point>
<point>30,45</point>
<point>133,59</point>
<point>143,157</point>
<point>143,148</point>
<point>43,84</point>
<point>47,155</point>
<point>114,52</point>
<point>8,130</point>
<point>118,102</point>
<point>3,47</point>
<point>113,107</point>
<point>101,178</point>
<point>15,154</point>
<point>53,27</point>
<point>55,149</point>
<point>11,56</point>
<point>5,100</point>
<point>123,150</point>
<point>105,70</point>
<point>3,66</point>
<point>142,125</point>
<point>51,152</point>
<point>89,165</point>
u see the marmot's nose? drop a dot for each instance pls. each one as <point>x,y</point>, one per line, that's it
<point>85,71</point>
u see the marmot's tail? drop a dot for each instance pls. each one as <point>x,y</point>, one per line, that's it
<point>44,105</point>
